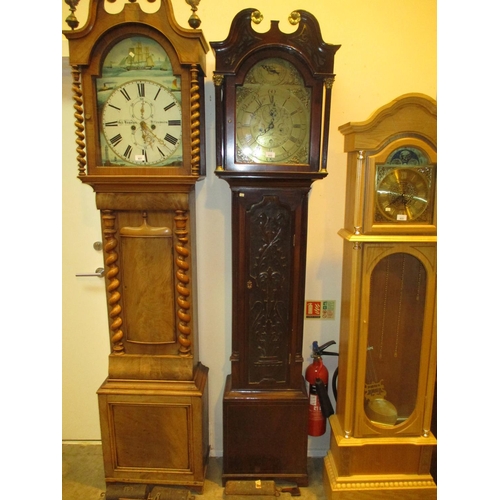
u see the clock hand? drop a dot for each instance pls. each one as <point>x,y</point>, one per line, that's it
<point>397,199</point>
<point>147,134</point>
<point>152,136</point>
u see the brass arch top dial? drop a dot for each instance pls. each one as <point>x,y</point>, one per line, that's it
<point>273,110</point>
<point>141,122</point>
<point>403,194</point>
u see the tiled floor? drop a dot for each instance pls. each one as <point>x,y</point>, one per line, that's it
<point>83,476</point>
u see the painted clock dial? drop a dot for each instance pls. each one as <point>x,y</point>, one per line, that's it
<point>273,110</point>
<point>139,104</point>
<point>141,121</point>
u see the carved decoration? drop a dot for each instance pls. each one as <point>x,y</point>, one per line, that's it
<point>270,263</point>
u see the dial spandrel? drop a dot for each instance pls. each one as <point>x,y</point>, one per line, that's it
<point>139,105</point>
<point>273,115</point>
<point>404,188</point>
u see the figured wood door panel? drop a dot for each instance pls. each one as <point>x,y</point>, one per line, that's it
<point>147,274</point>
<point>151,435</point>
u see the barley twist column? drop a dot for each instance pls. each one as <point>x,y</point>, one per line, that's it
<point>183,292</point>
<point>78,106</point>
<point>195,122</point>
<point>114,296</point>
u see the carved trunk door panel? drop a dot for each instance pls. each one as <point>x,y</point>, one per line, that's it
<point>269,235</point>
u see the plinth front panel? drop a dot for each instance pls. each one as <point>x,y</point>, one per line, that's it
<point>151,436</point>
<point>265,435</point>
<point>155,432</point>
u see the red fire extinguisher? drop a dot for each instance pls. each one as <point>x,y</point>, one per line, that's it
<point>317,375</point>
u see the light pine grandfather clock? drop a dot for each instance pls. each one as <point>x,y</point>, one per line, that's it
<point>381,441</point>
<point>138,86</point>
<point>273,94</point>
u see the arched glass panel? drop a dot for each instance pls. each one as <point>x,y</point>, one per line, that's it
<point>397,303</point>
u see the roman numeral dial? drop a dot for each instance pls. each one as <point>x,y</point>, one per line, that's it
<point>273,110</point>
<point>141,125</point>
<point>403,193</point>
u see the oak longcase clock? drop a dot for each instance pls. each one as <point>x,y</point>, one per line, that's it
<point>138,87</point>
<point>273,93</point>
<point>381,442</point>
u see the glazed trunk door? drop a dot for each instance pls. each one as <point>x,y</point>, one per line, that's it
<point>393,351</point>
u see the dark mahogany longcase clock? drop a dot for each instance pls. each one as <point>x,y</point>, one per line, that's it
<point>382,442</point>
<point>138,85</point>
<point>273,94</point>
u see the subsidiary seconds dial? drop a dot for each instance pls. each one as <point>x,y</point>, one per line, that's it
<point>141,122</point>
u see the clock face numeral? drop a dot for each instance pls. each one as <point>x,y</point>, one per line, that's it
<point>403,194</point>
<point>125,94</point>
<point>272,115</point>
<point>146,117</point>
<point>170,106</point>
<point>116,140</point>
<point>171,139</point>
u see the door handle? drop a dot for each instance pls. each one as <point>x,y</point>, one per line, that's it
<point>99,272</point>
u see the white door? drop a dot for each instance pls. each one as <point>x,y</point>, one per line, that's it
<point>85,340</point>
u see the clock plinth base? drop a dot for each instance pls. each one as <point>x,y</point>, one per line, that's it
<point>149,367</point>
<point>155,432</point>
<point>265,435</point>
<point>378,468</point>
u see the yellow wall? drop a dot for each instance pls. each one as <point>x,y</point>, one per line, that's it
<point>388,49</point>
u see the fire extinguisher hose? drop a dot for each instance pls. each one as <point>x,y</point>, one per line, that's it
<point>324,399</point>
